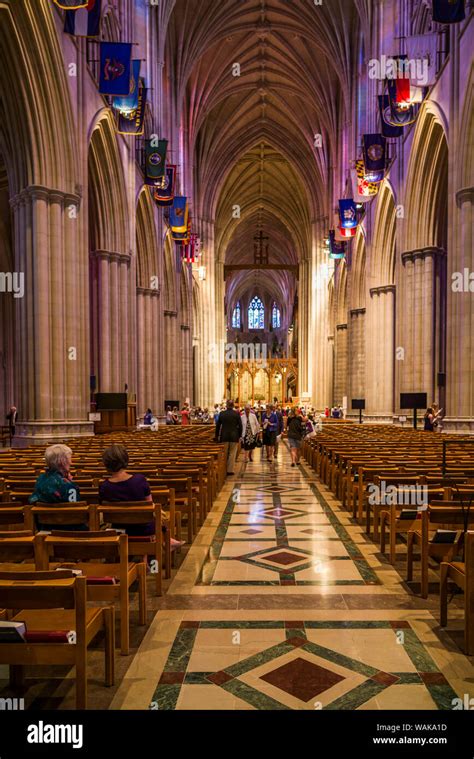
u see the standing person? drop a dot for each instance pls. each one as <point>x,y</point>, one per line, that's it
<point>175,415</point>
<point>250,432</point>
<point>185,415</point>
<point>281,426</point>
<point>429,419</point>
<point>217,411</point>
<point>12,417</point>
<point>270,428</point>
<point>229,431</point>
<point>438,417</point>
<point>296,431</point>
<point>169,415</point>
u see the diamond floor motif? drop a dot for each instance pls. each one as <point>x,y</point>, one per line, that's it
<point>302,679</point>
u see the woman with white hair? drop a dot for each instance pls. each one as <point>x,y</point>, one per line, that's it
<point>55,485</point>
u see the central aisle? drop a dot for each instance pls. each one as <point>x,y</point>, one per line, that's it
<point>282,603</point>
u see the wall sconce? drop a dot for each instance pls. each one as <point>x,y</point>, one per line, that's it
<point>202,273</point>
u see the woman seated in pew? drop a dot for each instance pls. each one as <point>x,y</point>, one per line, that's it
<point>121,486</point>
<point>56,485</point>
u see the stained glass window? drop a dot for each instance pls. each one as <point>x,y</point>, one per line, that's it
<point>256,314</point>
<point>236,321</point>
<point>276,317</point>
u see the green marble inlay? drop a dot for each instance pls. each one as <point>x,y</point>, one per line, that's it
<point>356,697</point>
<point>343,661</point>
<point>253,697</point>
<point>417,652</point>
<point>442,695</point>
<point>181,649</point>
<point>258,659</point>
<point>165,697</point>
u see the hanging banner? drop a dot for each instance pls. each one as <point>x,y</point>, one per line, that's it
<point>179,215</point>
<point>70,4</point>
<point>336,249</point>
<point>384,109</point>
<point>401,114</point>
<point>133,122</point>
<point>347,213</point>
<point>421,54</point>
<point>363,190</point>
<point>342,234</point>
<point>129,103</point>
<point>374,152</point>
<point>155,161</point>
<point>448,11</point>
<point>164,195</point>
<point>115,68</point>
<point>84,22</point>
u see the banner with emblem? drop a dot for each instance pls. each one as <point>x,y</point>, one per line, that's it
<point>422,53</point>
<point>347,213</point>
<point>401,114</point>
<point>70,4</point>
<point>133,121</point>
<point>84,22</point>
<point>336,249</point>
<point>155,161</point>
<point>115,68</point>
<point>374,152</point>
<point>388,130</point>
<point>364,190</point>
<point>179,215</point>
<point>129,103</point>
<point>448,11</point>
<point>164,195</point>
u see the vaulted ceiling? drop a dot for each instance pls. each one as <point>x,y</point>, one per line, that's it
<point>258,81</point>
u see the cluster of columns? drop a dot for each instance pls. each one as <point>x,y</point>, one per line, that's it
<point>51,359</point>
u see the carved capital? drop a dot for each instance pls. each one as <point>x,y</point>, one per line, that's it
<point>357,311</point>
<point>465,195</point>
<point>382,290</point>
<point>341,326</point>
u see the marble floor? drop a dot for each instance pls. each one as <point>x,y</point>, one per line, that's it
<point>283,603</point>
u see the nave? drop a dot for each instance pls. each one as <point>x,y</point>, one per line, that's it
<point>283,603</point>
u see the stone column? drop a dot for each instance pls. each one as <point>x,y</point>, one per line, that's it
<point>421,319</point>
<point>380,355</point>
<point>330,371</point>
<point>51,356</point>
<point>111,333</point>
<point>356,355</point>
<point>172,369</point>
<point>340,383</point>
<point>186,362</point>
<point>460,320</point>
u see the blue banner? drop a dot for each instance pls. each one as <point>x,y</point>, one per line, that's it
<point>129,103</point>
<point>347,213</point>
<point>374,149</point>
<point>179,215</point>
<point>132,123</point>
<point>388,130</point>
<point>115,68</point>
<point>448,11</point>
<point>164,196</point>
<point>336,249</point>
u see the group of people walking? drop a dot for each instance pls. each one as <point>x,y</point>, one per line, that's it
<point>264,429</point>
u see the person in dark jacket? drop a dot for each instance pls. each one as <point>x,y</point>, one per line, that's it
<point>229,431</point>
<point>296,429</point>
